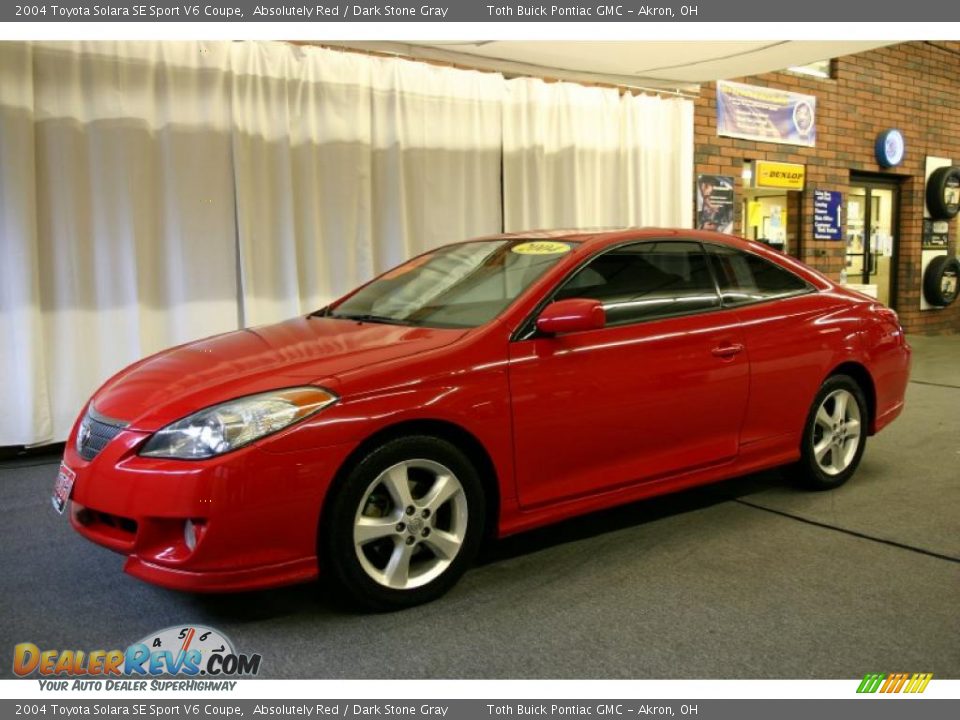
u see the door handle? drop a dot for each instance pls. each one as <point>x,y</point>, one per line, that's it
<point>727,351</point>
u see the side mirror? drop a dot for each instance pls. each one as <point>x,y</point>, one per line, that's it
<point>573,315</point>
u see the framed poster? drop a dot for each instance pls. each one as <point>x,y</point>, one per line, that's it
<point>715,203</point>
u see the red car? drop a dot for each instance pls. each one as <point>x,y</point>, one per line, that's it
<point>481,389</point>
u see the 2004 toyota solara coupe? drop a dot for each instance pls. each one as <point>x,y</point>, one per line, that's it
<point>478,390</point>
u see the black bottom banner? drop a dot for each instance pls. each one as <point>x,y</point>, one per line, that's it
<point>873,707</point>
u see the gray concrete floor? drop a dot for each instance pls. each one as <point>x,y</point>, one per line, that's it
<point>749,578</point>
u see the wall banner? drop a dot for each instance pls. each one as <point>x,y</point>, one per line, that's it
<point>751,112</point>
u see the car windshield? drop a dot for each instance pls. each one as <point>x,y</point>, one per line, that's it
<point>456,286</point>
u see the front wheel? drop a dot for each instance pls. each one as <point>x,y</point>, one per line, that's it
<point>835,435</point>
<point>405,524</point>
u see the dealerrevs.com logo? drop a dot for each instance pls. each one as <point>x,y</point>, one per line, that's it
<point>190,651</point>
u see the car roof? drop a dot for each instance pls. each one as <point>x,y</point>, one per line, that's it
<point>598,237</point>
<point>593,239</point>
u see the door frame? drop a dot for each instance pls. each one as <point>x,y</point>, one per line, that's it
<point>871,182</point>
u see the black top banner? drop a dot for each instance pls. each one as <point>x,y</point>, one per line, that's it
<point>623,11</point>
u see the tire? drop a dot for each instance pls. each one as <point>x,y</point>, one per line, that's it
<point>939,180</point>
<point>823,464</point>
<point>381,555</point>
<point>933,289</point>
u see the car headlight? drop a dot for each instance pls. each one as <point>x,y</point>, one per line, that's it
<point>231,425</point>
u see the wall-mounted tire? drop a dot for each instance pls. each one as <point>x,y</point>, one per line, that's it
<point>940,180</point>
<point>935,290</point>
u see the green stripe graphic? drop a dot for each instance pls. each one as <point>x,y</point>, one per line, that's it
<point>871,682</point>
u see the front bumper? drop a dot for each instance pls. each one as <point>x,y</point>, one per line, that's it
<point>254,513</point>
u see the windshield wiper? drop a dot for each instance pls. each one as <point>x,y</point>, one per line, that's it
<point>371,318</point>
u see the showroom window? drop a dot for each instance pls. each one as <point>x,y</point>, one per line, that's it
<point>646,281</point>
<point>746,278</point>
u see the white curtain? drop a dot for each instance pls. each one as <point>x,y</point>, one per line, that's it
<point>657,161</point>
<point>576,156</point>
<point>24,395</point>
<point>347,165</point>
<point>302,172</point>
<point>117,217</point>
<point>154,193</point>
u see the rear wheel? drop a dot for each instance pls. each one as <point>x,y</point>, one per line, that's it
<point>405,524</point>
<point>835,435</point>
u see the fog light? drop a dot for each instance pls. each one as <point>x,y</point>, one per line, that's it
<point>190,534</point>
<point>193,531</point>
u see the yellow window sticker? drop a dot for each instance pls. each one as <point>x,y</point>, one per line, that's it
<point>541,247</point>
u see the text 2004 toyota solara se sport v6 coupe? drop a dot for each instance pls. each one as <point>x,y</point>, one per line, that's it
<point>480,389</point>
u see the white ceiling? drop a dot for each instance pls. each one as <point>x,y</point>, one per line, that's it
<point>673,64</point>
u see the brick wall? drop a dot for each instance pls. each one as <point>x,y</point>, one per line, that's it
<point>912,86</point>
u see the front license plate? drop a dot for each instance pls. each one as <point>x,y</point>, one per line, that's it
<point>61,491</point>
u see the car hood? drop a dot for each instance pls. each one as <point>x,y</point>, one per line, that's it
<point>177,382</point>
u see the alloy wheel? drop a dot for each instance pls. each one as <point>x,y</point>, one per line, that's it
<point>410,524</point>
<point>837,432</point>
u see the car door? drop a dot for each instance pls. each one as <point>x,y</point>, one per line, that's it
<point>793,334</point>
<point>660,390</point>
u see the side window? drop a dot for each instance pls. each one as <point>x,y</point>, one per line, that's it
<point>745,278</point>
<point>646,281</point>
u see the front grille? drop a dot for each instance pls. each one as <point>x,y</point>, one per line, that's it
<point>95,432</point>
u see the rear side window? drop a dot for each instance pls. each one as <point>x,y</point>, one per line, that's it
<point>646,281</point>
<point>746,278</point>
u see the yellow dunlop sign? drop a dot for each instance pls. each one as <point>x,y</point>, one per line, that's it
<point>788,176</point>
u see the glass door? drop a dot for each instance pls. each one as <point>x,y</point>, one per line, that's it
<point>871,237</point>
<point>765,218</point>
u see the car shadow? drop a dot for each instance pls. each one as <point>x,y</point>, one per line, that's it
<point>632,514</point>
<point>317,600</point>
